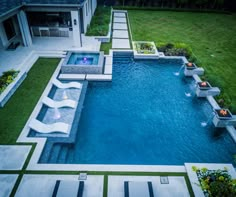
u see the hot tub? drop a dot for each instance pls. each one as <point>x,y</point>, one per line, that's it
<point>84,62</point>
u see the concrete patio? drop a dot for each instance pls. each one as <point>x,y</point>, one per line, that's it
<point>15,59</point>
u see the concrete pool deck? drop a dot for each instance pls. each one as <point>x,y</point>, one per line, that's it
<point>7,182</point>
<point>13,156</point>
<point>43,185</point>
<point>177,186</point>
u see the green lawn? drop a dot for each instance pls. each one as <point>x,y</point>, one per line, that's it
<point>16,112</point>
<point>211,37</point>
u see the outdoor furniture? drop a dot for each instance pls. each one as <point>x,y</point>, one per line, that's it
<point>49,128</point>
<point>58,104</point>
<point>138,189</point>
<point>68,188</point>
<point>61,85</point>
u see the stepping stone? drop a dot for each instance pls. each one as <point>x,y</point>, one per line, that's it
<point>119,14</point>
<point>13,156</point>
<point>120,44</point>
<point>120,26</point>
<point>7,182</point>
<point>119,20</point>
<point>120,34</point>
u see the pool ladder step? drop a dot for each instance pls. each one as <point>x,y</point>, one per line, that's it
<point>62,156</point>
<point>56,149</point>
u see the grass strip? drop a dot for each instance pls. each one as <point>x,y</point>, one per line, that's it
<point>16,112</point>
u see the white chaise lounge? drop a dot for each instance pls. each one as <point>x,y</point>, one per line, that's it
<point>58,104</point>
<point>61,85</point>
<point>49,128</point>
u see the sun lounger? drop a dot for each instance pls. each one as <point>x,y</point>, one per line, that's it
<point>138,189</point>
<point>49,128</point>
<point>68,188</point>
<point>61,85</point>
<point>58,104</point>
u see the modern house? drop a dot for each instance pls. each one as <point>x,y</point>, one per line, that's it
<point>22,20</point>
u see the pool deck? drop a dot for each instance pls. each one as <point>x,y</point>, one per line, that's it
<point>15,59</point>
<point>13,156</point>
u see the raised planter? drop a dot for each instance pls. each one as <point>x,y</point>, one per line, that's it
<point>145,49</point>
<point>11,88</point>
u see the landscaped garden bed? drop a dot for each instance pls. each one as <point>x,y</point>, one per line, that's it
<point>216,182</point>
<point>99,25</point>
<point>7,78</point>
<point>143,47</point>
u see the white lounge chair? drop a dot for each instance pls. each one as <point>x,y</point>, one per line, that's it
<point>61,85</point>
<point>58,104</point>
<point>49,128</point>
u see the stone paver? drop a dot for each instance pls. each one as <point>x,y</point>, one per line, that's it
<point>120,34</point>
<point>119,14</point>
<point>177,186</point>
<point>119,20</point>
<point>7,182</point>
<point>43,185</point>
<point>120,26</point>
<point>13,156</point>
<point>120,44</point>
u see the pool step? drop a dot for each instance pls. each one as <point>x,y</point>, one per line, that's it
<point>70,155</point>
<point>62,154</point>
<point>54,153</point>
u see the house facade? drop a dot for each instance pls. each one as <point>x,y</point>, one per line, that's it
<point>22,20</point>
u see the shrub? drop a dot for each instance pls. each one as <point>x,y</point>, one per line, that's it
<point>177,49</point>
<point>100,22</point>
<point>216,182</point>
<point>7,78</point>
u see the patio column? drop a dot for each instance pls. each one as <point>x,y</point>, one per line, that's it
<point>76,28</point>
<point>24,28</point>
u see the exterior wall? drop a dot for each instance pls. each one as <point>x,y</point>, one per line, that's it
<point>88,11</point>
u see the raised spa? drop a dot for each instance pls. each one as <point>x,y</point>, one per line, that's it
<point>86,62</point>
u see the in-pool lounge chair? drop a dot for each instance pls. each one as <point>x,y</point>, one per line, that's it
<point>68,188</point>
<point>40,127</point>
<point>58,104</point>
<point>61,85</point>
<point>138,189</point>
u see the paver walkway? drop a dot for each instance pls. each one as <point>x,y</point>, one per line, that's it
<point>120,35</point>
<point>175,188</point>
<point>13,156</point>
<point>7,182</point>
<point>43,185</point>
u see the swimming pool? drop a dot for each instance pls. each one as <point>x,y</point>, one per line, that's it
<point>147,115</point>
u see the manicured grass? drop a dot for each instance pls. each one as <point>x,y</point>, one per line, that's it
<point>100,22</point>
<point>16,112</point>
<point>211,37</point>
<point>106,47</point>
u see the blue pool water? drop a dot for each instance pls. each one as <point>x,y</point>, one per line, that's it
<point>83,59</point>
<point>144,117</point>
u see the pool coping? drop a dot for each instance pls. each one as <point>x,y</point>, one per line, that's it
<point>34,165</point>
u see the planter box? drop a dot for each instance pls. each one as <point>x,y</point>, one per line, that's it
<point>11,88</point>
